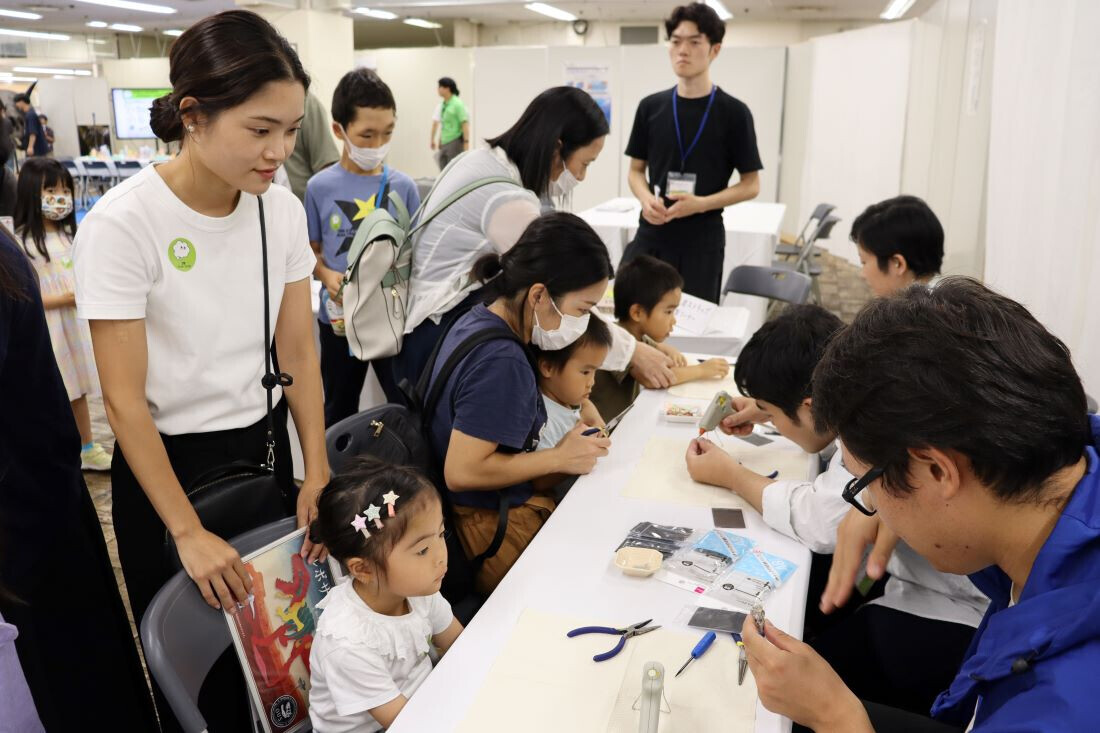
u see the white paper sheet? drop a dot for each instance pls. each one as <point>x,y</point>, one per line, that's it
<point>662,475</point>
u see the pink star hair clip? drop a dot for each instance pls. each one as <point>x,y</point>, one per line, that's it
<point>360,525</point>
<point>390,500</point>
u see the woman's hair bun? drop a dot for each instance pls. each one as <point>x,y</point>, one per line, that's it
<point>165,119</point>
<point>487,267</point>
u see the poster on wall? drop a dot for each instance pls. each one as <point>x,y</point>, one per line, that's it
<point>596,80</point>
<point>273,633</point>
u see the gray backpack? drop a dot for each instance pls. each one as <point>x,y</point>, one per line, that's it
<point>376,283</point>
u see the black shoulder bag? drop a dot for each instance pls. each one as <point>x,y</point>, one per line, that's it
<point>239,496</point>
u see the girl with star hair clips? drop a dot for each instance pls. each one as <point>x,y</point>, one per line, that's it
<point>374,641</point>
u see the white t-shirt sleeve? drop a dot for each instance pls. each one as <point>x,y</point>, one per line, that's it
<point>358,680</point>
<point>809,512</point>
<point>622,346</point>
<point>114,270</point>
<point>300,257</point>
<point>438,612</point>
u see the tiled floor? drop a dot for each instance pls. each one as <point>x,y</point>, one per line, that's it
<point>842,292</point>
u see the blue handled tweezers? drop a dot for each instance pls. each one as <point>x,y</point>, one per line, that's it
<point>624,634</point>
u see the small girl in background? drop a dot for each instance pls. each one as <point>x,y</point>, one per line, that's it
<point>566,378</point>
<point>45,221</point>
<point>372,647</point>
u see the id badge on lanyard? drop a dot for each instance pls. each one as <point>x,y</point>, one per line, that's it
<point>680,182</point>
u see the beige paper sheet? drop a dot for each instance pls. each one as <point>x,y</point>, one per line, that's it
<point>704,699</point>
<point>662,475</point>
<point>704,389</point>
<point>544,682</point>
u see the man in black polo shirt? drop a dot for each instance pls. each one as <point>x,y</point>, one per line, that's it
<point>691,139</point>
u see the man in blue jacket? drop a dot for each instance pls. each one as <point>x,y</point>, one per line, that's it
<point>965,424</point>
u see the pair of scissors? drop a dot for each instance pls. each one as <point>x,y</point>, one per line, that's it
<point>742,659</point>
<point>613,423</point>
<point>624,634</point>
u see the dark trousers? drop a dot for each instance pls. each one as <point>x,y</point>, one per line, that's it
<point>343,376</point>
<point>418,346</point>
<point>145,565</point>
<point>894,658</point>
<point>449,151</point>
<point>695,249</point>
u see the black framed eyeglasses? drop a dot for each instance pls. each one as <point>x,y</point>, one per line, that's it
<point>855,487</point>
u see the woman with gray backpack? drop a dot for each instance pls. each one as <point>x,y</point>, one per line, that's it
<point>544,154</point>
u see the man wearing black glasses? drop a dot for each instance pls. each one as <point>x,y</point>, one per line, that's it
<point>880,649</point>
<point>964,422</point>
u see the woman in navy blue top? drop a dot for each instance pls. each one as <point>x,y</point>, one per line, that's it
<point>486,426</point>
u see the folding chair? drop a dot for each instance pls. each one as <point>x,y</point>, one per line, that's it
<point>77,172</point>
<point>794,248</point>
<point>183,636</point>
<point>98,173</point>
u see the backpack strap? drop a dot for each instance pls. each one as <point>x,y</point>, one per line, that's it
<point>429,400</point>
<point>447,202</point>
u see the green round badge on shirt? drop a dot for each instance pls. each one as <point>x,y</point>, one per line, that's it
<point>181,253</point>
<point>334,222</point>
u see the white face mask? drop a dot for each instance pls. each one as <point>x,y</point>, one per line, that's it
<point>566,182</point>
<point>56,208</point>
<point>366,158</point>
<point>569,331</point>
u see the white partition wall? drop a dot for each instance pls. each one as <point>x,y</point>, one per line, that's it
<point>854,125</point>
<point>412,74</point>
<point>1043,222</point>
<point>604,175</point>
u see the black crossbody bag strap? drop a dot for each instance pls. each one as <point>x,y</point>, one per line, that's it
<point>271,379</point>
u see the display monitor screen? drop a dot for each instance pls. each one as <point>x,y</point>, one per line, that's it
<point>132,112</point>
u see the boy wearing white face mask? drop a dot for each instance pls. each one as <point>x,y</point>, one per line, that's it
<point>338,199</point>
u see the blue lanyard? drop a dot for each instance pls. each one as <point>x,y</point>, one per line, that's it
<point>378,203</point>
<point>676,123</point>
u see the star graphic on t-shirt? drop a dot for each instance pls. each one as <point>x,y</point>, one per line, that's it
<point>354,211</point>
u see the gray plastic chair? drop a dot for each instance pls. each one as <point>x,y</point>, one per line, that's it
<point>777,283</point>
<point>793,250</point>
<point>183,636</point>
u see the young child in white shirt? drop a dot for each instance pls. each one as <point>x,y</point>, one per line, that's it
<point>566,378</point>
<point>374,638</point>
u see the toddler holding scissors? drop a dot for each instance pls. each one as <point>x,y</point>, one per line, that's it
<point>566,377</point>
<point>374,639</point>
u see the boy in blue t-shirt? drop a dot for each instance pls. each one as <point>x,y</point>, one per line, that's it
<point>338,199</point>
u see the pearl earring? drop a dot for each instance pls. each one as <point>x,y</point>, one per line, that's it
<point>191,128</point>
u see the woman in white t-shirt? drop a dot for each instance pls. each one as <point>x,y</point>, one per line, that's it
<point>545,154</point>
<point>169,272</point>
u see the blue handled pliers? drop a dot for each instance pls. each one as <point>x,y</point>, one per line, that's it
<point>624,634</point>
